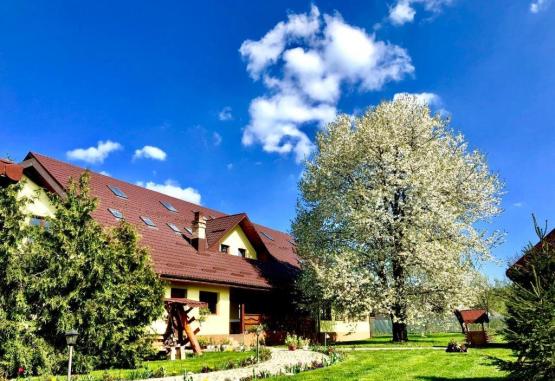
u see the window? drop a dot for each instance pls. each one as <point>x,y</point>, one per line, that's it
<point>242,252</point>
<point>148,221</point>
<point>118,192</point>
<point>40,222</point>
<point>116,213</point>
<point>189,230</point>
<point>211,298</point>
<point>174,227</point>
<point>180,293</point>
<point>168,206</point>
<point>267,236</point>
<point>224,248</point>
<point>36,221</point>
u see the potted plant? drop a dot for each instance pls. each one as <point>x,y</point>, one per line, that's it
<point>303,343</point>
<point>292,341</point>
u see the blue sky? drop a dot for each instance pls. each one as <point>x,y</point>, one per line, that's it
<point>231,123</point>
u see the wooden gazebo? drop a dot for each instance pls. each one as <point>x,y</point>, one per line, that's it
<point>475,338</point>
<point>179,332</point>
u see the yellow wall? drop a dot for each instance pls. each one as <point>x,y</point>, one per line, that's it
<point>40,204</point>
<point>347,330</point>
<point>217,324</point>
<point>236,239</point>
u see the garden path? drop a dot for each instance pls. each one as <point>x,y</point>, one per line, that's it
<point>281,358</point>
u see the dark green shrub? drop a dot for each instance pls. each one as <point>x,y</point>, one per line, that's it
<point>530,318</point>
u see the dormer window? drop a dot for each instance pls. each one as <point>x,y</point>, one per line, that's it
<point>148,221</point>
<point>174,227</point>
<point>118,192</point>
<point>168,206</point>
<point>267,236</point>
<point>224,248</point>
<point>242,252</point>
<point>116,213</point>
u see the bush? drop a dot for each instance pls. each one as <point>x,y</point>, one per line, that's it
<point>531,314</point>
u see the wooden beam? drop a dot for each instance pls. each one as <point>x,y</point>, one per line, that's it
<point>190,334</point>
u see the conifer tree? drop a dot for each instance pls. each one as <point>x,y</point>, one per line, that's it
<point>98,281</point>
<point>21,351</point>
<point>530,320</point>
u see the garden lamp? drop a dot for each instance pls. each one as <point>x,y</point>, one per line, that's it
<point>71,340</point>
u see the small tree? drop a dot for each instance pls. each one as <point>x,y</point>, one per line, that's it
<point>530,318</point>
<point>95,280</point>
<point>388,212</point>
<point>20,348</point>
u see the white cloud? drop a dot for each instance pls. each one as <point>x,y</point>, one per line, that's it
<point>94,155</point>
<point>105,173</point>
<point>150,152</point>
<point>537,6</point>
<point>172,188</point>
<point>225,114</point>
<point>519,204</point>
<point>229,166</point>
<point>403,11</point>
<point>304,62</point>
<point>217,139</point>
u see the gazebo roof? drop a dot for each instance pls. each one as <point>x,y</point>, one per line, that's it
<point>472,316</point>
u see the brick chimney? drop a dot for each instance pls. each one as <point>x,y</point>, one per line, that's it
<point>199,232</point>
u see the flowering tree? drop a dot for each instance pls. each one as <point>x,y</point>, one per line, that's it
<point>386,220</point>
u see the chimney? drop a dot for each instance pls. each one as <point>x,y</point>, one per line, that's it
<point>199,232</point>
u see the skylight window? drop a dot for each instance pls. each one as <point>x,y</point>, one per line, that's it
<point>189,230</point>
<point>118,192</point>
<point>168,206</point>
<point>116,213</point>
<point>267,236</point>
<point>174,227</point>
<point>148,221</point>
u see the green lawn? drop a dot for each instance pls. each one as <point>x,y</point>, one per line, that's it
<point>194,364</point>
<point>413,365</point>
<point>433,340</point>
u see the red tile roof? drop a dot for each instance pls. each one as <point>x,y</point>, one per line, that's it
<point>173,256</point>
<point>10,170</point>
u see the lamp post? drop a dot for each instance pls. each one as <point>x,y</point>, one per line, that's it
<point>71,340</point>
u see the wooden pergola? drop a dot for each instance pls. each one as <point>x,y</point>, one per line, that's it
<point>178,330</point>
<point>477,316</point>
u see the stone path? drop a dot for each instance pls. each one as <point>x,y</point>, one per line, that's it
<point>280,359</point>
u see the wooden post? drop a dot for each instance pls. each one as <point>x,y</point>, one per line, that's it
<point>242,318</point>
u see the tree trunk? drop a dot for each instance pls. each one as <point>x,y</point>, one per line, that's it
<point>400,334</point>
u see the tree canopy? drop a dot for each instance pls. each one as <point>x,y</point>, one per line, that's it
<point>388,212</point>
<point>75,274</point>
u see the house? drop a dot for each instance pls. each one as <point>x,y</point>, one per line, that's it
<point>512,271</point>
<point>243,271</point>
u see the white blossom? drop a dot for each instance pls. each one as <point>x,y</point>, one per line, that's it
<point>392,212</point>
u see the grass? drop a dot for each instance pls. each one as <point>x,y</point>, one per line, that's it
<point>193,364</point>
<point>417,365</point>
<point>433,340</point>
